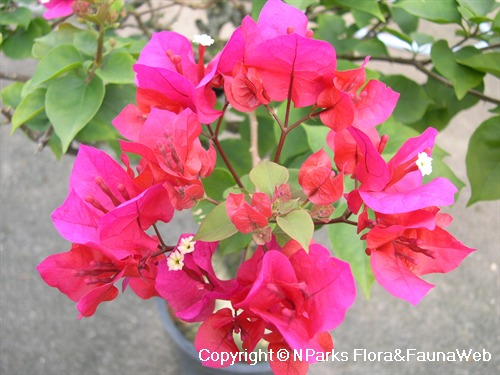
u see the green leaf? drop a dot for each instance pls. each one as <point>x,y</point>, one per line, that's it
<point>483,161</point>
<point>333,29</point>
<point>484,62</point>
<point>495,26</point>
<point>302,4</point>
<point>216,225</point>
<point>71,102</point>
<point>267,175</point>
<point>476,10</point>
<point>19,45</point>
<point>445,106</point>
<point>441,169</point>
<point>11,94</point>
<point>441,11</point>
<point>299,226</point>
<point>235,243</point>
<point>85,41</point>
<point>117,68</point>
<point>256,8</point>
<point>217,183</point>
<point>413,100</point>
<point>368,6</point>
<point>372,47</point>
<point>115,99</point>
<point>20,16</point>
<point>408,23</point>
<point>316,137</point>
<point>237,152</point>
<point>95,132</point>
<point>362,19</point>
<point>495,110</point>
<point>58,61</point>
<point>348,247</point>
<point>65,34</point>
<point>30,106</point>
<point>100,128</point>
<point>462,77</point>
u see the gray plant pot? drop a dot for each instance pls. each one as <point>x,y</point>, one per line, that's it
<point>188,356</point>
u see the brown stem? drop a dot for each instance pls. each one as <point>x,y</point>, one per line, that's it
<point>44,139</point>
<point>214,136</point>
<point>336,221</point>
<point>14,77</point>
<point>158,235</point>
<point>211,200</point>
<point>281,143</point>
<point>163,250</point>
<point>275,116</point>
<point>491,46</point>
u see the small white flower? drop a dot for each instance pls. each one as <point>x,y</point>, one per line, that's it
<point>203,39</point>
<point>424,163</point>
<point>175,261</point>
<point>186,245</point>
<point>44,1</point>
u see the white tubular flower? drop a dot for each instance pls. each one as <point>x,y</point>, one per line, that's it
<point>186,245</point>
<point>203,39</point>
<point>424,163</point>
<point>175,261</point>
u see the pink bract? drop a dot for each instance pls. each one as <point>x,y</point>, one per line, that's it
<point>396,187</point>
<point>105,206</point>
<point>86,274</point>
<point>406,246</point>
<point>192,291</point>
<point>57,8</point>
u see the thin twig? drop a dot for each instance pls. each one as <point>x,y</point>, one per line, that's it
<point>14,77</point>
<point>44,139</point>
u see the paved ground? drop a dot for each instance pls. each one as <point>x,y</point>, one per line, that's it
<point>40,332</point>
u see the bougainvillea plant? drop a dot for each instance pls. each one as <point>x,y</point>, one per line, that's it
<point>288,291</point>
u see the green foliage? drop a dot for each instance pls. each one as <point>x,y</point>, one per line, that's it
<point>58,61</point>
<point>18,44</point>
<point>267,175</point>
<point>298,225</point>
<point>442,11</point>
<point>348,247</point>
<point>413,100</point>
<point>117,68</point>
<point>235,243</point>
<point>483,161</point>
<point>83,80</point>
<point>483,62</point>
<point>462,77</point>
<point>216,226</point>
<point>11,94</point>
<point>217,183</point>
<point>30,106</point>
<point>71,103</point>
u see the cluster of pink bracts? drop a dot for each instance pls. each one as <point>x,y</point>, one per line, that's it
<point>289,296</point>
